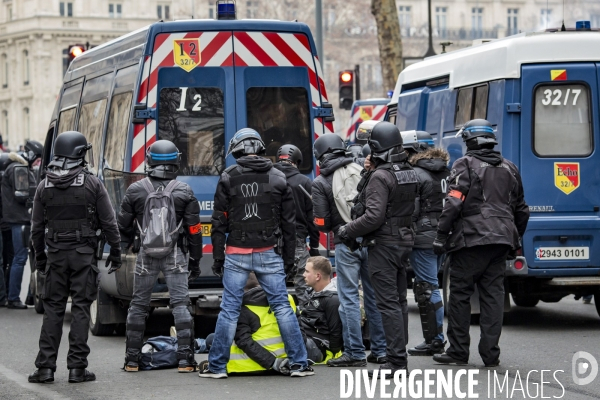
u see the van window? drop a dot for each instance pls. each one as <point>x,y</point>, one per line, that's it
<point>116,131</point>
<point>91,122</point>
<point>193,119</point>
<point>281,116</point>
<point>562,122</point>
<point>471,103</point>
<point>66,120</point>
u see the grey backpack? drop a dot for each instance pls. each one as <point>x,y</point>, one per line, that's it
<point>159,230</point>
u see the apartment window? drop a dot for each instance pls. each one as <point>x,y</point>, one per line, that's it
<point>5,71</point>
<point>163,11</point>
<point>27,122</point>
<point>252,9</point>
<point>5,117</point>
<point>25,67</point>
<point>9,15</point>
<point>114,10</point>
<point>211,10</point>
<point>66,9</point>
<point>476,23</point>
<point>512,22</point>
<point>545,18</point>
<point>441,14</point>
<point>404,13</point>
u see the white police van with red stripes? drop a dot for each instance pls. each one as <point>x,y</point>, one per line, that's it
<point>194,82</point>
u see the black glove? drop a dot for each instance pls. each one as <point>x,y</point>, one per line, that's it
<point>40,262</point>
<point>439,243</point>
<point>512,255</point>
<point>352,244</point>
<point>194,268</point>
<point>217,267</point>
<point>113,261</point>
<point>290,271</point>
<point>314,252</point>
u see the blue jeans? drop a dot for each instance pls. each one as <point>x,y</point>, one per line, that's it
<point>18,264</point>
<point>425,265</point>
<point>268,267</point>
<point>351,266</point>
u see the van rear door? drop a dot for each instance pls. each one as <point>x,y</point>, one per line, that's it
<point>559,164</point>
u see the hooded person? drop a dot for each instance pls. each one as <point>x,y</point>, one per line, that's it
<point>71,207</point>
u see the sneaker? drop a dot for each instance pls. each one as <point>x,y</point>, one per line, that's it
<point>346,361</point>
<point>131,366</point>
<point>205,372</point>
<point>298,371</point>
<point>186,366</point>
<point>376,360</point>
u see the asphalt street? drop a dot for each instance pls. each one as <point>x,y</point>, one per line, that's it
<point>542,338</point>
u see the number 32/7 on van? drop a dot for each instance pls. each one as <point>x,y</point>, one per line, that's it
<point>554,97</point>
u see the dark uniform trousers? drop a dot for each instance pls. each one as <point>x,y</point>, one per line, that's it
<point>387,268</point>
<point>485,266</point>
<point>69,273</point>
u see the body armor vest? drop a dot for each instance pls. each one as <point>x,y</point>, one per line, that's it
<point>67,215</point>
<point>253,220</point>
<point>432,206</point>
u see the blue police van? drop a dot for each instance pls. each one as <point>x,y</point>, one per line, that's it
<point>194,82</point>
<point>541,92</point>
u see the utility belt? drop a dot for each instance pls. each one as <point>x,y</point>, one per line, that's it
<point>265,228</point>
<point>432,217</point>
<point>70,230</point>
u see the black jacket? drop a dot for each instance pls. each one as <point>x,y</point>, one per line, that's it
<point>95,195</point>
<point>485,202</point>
<point>284,208</point>
<point>431,167</point>
<point>304,206</point>
<point>186,209</point>
<point>16,209</point>
<point>327,216</point>
<point>320,319</point>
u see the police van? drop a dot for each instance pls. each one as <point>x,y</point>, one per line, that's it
<point>194,82</point>
<point>541,92</point>
<point>364,110</point>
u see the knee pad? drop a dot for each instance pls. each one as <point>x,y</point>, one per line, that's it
<point>427,310</point>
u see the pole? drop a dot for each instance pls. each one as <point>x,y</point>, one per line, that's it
<point>357,80</point>
<point>193,8</point>
<point>319,31</point>
<point>430,50</point>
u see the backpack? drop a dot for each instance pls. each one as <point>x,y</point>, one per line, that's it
<point>159,230</point>
<point>159,352</point>
<point>344,183</point>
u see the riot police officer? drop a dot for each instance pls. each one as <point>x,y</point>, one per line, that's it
<point>483,217</point>
<point>255,215</point>
<point>162,165</point>
<point>71,209</point>
<point>289,158</point>
<point>388,201</point>
<point>431,166</point>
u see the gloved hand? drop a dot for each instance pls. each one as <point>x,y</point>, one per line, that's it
<point>290,271</point>
<point>281,365</point>
<point>113,261</point>
<point>342,234</point>
<point>314,252</point>
<point>40,262</point>
<point>439,243</point>
<point>217,267</point>
<point>194,268</point>
<point>512,255</point>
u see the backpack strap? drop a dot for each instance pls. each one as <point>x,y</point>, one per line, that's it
<point>148,185</point>
<point>168,191</point>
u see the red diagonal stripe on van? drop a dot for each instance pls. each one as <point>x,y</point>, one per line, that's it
<point>304,40</point>
<point>379,114</point>
<point>213,47</point>
<point>160,40</point>
<point>140,156</point>
<point>255,49</point>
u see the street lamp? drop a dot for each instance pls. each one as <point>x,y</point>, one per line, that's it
<point>430,50</point>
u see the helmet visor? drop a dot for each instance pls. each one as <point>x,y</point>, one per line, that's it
<point>365,129</point>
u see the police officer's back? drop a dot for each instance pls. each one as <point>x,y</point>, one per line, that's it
<point>70,208</point>
<point>483,217</point>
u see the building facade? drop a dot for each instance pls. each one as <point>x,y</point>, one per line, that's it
<point>35,36</point>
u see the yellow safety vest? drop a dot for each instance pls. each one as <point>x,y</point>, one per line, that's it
<point>268,336</point>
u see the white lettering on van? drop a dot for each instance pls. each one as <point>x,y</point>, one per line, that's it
<point>183,98</point>
<point>206,205</point>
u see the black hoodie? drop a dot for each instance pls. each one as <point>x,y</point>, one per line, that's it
<point>282,203</point>
<point>301,189</point>
<point>327,216</point>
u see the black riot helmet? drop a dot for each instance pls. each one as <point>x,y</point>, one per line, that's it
<point>69,150</point>
<point>355,150</point>
<point>289,153</point>
<point>246,141</point>
<point>477,134</point>
<point>416,141</point>
<point>383,138</point>
<point>329,143</point>
<point>162,160</point>
<point>33,150</point>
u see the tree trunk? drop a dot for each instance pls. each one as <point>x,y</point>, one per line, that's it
<point>390,42</point>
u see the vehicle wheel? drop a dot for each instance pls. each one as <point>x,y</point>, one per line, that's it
<point>97,328</point>
<point>524,300</point>
<point>597,302</point>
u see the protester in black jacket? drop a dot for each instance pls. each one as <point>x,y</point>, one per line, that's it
<point>289,158</point>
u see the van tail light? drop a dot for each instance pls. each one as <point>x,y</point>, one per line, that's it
<point>518,265</point>
<point>520,252</point>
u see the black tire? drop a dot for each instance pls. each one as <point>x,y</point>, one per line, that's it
<point>97,328</point>
<point>597,302</point>
<point>524,300</point>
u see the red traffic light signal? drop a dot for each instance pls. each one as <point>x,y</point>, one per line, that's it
<point>346,76</point>
<point>346,90</point>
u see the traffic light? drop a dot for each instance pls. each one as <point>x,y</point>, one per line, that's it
<point>75,50</point>
<point>346,78</point>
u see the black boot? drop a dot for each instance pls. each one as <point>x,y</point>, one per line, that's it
<point>446,359</point>
<point>428,349</point>
<point>187,362</point>
<point>132,360</point>
<point>78,375</point>
<point>42,375</point>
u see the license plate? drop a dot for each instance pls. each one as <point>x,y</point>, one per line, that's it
<point>206,229</point>
<point>562,253</point>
